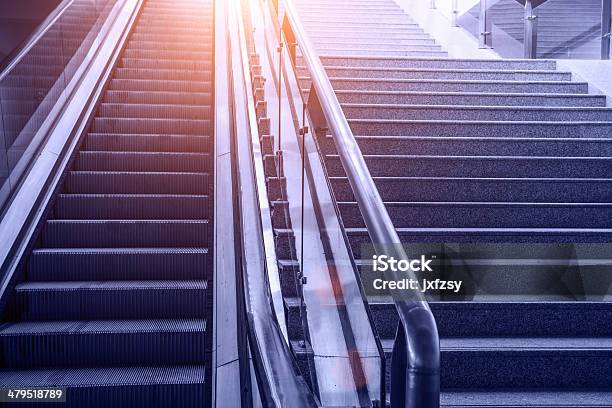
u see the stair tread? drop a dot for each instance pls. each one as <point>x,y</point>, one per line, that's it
<point>530,344</point>
<point>530,94</point>
<point>479,107</point>
<point>525,398</point>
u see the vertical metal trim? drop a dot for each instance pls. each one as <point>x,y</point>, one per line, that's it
<point>484,27</point>
<point>606,28</point>
<point>531,31</point>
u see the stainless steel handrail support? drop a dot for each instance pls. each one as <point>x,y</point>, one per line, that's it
<point>531,31</point>
<point>485,29</point>
<point>418,384</point>
<point>606,28</point>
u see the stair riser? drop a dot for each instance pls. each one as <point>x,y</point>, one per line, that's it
<point>486,216</point>
<point>373,49</point>
<point>422,113</point>
<point>356,41</point>
<point>452,75</point>
<point>481,167</point>
<point>474,100</point>
<point>506,319</point>
<point>440,63</point>
<point>473,146</point>
<point>359,238</point>
<point>485,190</point>
<point>481,129</point>
<point>441,86</point>
<point>339,49</point>
<point>321,36</point>
<point>526,369</point>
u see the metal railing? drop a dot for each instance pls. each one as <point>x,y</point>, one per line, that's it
<point>342,337</point>
<point>416,359</point>
<point>278,381</point>
<point>530,31</point>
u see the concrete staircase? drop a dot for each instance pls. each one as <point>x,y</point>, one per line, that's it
<point>478,151</point>
<point>566,28</point>
<point>117,301</point>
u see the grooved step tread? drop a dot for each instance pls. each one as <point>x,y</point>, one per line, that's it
<point>103,376</point>
<point>112,285</point>
<point>94,327</point>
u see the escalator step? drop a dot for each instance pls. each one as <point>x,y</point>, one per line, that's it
<point>118,264</point>
<point>106,182</point>
<point>155,98</point>
<point>147,143</point>
<point>131,206</point>
<point>158,85</point>
<point>103,342</point>
<point>125,233</point>
<point>101,387</point>
<point>140,161</point>
<point>112,300</point>
<point>150,125</point>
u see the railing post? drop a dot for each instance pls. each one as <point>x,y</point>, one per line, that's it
<point>455,12</point>
<point>432,4</point>
<point>606,28</point>
<point>531,31</point>
<point>484,27</point>
<point>415,367</point>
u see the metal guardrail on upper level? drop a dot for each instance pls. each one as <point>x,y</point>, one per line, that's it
<point>530,29</point>
<point>416,359</point>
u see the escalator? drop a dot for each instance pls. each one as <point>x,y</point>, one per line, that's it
<point>199,237</point>
<point>116,304</point>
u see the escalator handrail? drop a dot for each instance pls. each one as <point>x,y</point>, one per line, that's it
<point>14,57</point>
<point>277,375</point>
<point>420,331</point>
